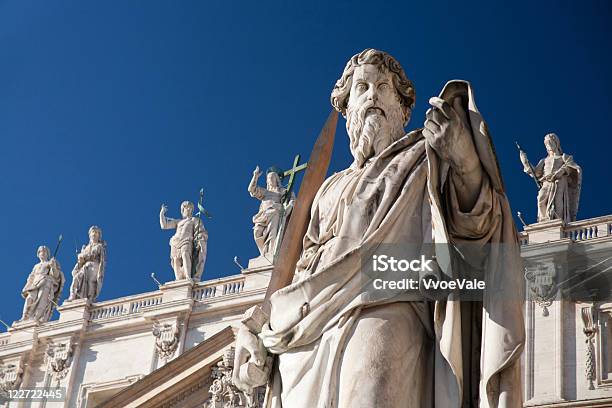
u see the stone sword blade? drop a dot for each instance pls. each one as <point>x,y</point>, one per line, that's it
<point>291,245</point>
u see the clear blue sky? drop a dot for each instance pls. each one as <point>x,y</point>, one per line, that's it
<point>110,108</point>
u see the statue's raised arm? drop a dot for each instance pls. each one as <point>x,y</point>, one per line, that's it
<point>272,211</point>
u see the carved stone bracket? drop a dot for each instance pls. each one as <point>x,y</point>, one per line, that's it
<point>58,357</point>
<point>11,375</point>
<point>590,329</point>
<point>541,285</point>
<point>167,337</point>
<point>224,394</point>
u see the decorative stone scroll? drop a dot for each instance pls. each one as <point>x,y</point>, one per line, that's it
<point>224,394</point>
<point>58,358</point>
<point>166,339</point>
<point>541,285</point>
<point>10,376</point>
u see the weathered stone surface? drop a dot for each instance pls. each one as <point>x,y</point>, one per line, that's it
<point>88,273</point>
<point>188,245</point>
<point>559,179</point>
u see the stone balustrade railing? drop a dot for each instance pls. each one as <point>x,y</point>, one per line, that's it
<point>221,287</point>
<point>588,229</point>
<point>582,230</point>
<point>124,306</point>
<point>134,304</point>
<point>4,339</point>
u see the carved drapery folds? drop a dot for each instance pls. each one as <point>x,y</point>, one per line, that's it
<point>167,337</point>
<point>224,394</point>
<point>590,329</point>
<point>58,358</point>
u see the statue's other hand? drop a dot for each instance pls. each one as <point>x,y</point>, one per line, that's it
<point>558,175</point>
<point>249,348</point>
<point>524,158</point>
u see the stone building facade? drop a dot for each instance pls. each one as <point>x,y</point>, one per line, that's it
<point>173,347</point>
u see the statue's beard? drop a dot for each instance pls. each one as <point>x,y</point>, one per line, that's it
<point>369,135</point>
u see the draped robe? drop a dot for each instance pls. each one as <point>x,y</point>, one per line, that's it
<point>558,199</point>
<point>405,195</point>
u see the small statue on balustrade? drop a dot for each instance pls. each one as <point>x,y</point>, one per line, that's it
<point>88,273</point>
<point>274,210</point>
<point>188,244</point>
<point>559,180</point>
<point>43,288</point>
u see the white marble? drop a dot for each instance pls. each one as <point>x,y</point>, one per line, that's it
<point>274,210</point>
<point>96,349</point>
<point>560,181</point>
<point>391,194</point>
<point>43,288</point>
<point>188,245</point>
<point>88,273</point>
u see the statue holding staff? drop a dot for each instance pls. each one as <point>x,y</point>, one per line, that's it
<point>188,244</point>
<point>43,288</point>
<point>340,342</point>
<point>559,179</point>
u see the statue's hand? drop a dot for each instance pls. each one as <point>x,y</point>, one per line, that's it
<point>163,210</point>
<point>249,349</point>
<point>524,160</point>
<point>558,175</point>
<point>447,131</point>
<point>257,172</point>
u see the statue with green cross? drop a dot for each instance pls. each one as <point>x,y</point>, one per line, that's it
<point>276,204</point>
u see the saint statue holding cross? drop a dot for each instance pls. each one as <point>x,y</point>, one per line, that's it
<point>274,210</point>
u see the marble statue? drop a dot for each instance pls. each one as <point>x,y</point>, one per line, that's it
<point>43,288</point>
<point>340,344</point>
<point>188,244</point>
<point>559,179</point>
<point>88,273</point>
<point>273,211</point>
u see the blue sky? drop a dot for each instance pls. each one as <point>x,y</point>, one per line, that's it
<point>108,109</point>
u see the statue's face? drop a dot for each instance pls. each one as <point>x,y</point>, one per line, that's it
<point>272,180</point>
<point>94,235</point>
<point>373,88</point>
<point>42,254</point>
<point>374,112</point>
<point>551,146</point>
<point>186,211</point>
